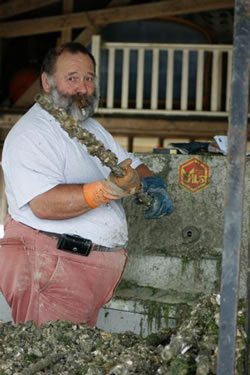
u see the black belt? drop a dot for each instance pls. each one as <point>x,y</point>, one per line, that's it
<point>77,245</point>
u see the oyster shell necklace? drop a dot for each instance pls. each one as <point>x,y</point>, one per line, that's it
<point>94,147</point>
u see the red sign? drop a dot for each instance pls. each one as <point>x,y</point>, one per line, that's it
<point>193,175</point>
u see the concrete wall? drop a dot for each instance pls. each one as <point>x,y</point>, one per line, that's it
<point>173,260</point>
<point>183,251</point>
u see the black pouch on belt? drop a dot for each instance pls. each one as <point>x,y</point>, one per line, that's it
<point>74,244</point>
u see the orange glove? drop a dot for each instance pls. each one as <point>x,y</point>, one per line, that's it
<point>100,192</point>
<point>130,182</point>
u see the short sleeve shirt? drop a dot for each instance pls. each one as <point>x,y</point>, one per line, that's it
<point>39,155</point>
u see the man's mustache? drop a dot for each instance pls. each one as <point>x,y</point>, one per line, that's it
<point>80,106</point>
<point>81,100</point>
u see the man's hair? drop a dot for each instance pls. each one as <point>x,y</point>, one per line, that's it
<point>49,62</point>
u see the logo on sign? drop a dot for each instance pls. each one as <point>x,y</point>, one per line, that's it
<point>193,175</point>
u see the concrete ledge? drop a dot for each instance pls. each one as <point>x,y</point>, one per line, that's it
<point>174,273</point>
<point>144,310</point>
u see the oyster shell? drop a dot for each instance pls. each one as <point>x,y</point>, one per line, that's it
<point>65,348</point>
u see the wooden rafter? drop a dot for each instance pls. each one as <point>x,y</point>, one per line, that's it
<point>14,7</point>
<point>67,34</point>
<point>85,36</point>
<point>105,16</point>
<point>117,3</point>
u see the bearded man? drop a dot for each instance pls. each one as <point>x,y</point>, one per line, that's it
<point>64,246</point>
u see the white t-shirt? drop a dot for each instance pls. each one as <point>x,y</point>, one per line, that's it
<point>38,155</point>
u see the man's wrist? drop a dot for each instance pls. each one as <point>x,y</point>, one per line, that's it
<point>94,194</point>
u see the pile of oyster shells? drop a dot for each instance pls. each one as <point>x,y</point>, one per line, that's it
<point>64,348</point>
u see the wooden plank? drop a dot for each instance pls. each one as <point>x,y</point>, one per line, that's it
<point>184,80</point>
<point>125,78</point>
<point>155,79</point>
<point>165,128</point>
<point>85,36</point>
<point>66,35</point>
<point>14,7</point>
<point>106,16</point>
<point>117,3</point>
<point>147,126</point>
<point>96,52</point>
<point>216,81</point>
<point>111,78</point>
<point>229,79</point>
<point>199,81</point>
<point>140,78</point>
<point>170,80</point>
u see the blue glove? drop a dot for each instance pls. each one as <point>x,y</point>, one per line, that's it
<point>162,205</point>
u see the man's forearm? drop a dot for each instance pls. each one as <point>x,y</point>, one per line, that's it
<point>61,202</point>
<point>67,201</point>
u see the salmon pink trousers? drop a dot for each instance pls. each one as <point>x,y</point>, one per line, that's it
<point>41,283</point>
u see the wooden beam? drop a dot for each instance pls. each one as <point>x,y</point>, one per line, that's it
<point>85,36</point>
<point>66,35</point>
<point>27,99</point>
<point>165,128</point>
<point>14,7</point>
<point>105,16</point>
<point>148,127</point>
<point>117,3</point>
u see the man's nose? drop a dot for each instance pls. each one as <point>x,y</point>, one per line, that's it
<point>82,87</point>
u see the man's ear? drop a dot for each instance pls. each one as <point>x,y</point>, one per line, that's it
<point>45,83</point>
